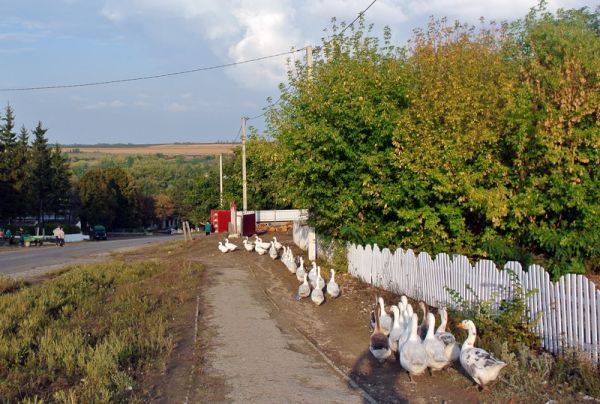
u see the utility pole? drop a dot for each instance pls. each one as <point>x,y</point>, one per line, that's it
<point>309,60</point>
<point>221,181</point>
<point>244,188</point>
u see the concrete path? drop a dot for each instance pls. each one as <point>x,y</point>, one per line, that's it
<point>257,354</point>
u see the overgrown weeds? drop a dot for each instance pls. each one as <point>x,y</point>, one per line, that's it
<point>507,322</point>
<point>9,285</point>
<point>86,335</point>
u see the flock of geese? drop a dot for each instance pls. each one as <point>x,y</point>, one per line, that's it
<point>311,282</point>
<point>417,347</point>
<point>420,347</point>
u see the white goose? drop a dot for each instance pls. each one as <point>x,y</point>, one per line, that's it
<point>477,362</point>
<point>262,244</point>
<point>230,246</point>
<point>379,344</point>
<point>312,274</point>
<point>222,248</point>
<point>436,350</point>
<point>273,251</point>
<point>317,294</point>
<point>385,319</point>
<point>422,331</point>
<point>248,245</point>
<point>396,331</point>
<point>452,348</point>
<point>277,244</point>
<point>402,303</point>
<point>304,288</point>
<point>259,249</point>
<point>300,271</point>
<point>413,356</point>
<point>333,289</point>
<point>289,263</point>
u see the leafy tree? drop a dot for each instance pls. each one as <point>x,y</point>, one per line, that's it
<point>335,129</point>
<point>553,148</point>
<point>163,206</point>
<point>109,197</point>
<point>454,186</point>
<point>98,199</point>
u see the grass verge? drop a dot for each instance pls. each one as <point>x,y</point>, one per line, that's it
<point>88,334</point>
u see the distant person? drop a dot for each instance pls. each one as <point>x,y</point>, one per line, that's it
<point>207,228</point>
<point>56,233</point>
<point>21,234</point>
<point>61,236</point>
<point>8,236</point>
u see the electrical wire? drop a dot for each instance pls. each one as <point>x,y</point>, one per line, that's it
<point>358,16</point>
<point>289,85</point>
<point>157,76</point>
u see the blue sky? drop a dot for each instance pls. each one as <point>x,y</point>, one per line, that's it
<point>54,42</point>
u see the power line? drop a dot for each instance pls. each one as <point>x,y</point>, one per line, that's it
<point>358,16</point>
<point>289,85</point>
<point>157,76</point>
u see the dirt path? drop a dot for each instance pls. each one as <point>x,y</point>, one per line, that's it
<point>256,343</point>
<point>258,355</point>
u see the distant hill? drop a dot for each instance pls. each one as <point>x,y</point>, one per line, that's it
<point>172,149</point>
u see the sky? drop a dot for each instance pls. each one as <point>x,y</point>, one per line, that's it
<point>65,42</point>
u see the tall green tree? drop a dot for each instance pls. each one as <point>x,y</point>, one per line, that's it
<point>40,173</point>
<point>334,126</point>
<point>8,195</point>
<point>109,197</point>
<point>447,143</point>
<point>22,157</point>
<point>553,147</point>
<point>61,185</point>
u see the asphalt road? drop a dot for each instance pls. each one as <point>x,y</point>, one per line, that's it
<point>32,261</point>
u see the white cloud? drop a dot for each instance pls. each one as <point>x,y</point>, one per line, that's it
<point>238,30</point>
<point>105,105</point>
<point>178,107</point>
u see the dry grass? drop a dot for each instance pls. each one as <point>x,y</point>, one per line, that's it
<point>199,149</point>
<point>86,335</point>
<point>9,285</point>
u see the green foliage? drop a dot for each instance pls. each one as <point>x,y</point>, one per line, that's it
<point>109,197</point>
<point>506,323</point>
<point>334,129</point>
<point>83,336</point>
<point>482,140</point>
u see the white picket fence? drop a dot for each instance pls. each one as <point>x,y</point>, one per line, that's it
<point>568,311</point>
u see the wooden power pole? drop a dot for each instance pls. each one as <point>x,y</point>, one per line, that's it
<point>244,185</point>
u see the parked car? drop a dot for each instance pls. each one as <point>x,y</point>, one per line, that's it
<point>98,233</point>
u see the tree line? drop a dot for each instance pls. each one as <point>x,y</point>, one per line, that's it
<point>34,177</point>
<point>474,140</point>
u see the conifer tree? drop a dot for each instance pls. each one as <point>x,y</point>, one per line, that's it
<point>20,168</point>
<point>61,186</point>
<point>8,144</point>
<point>40,172</point>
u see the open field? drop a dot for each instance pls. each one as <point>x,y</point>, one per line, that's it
<point>192,149</point>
